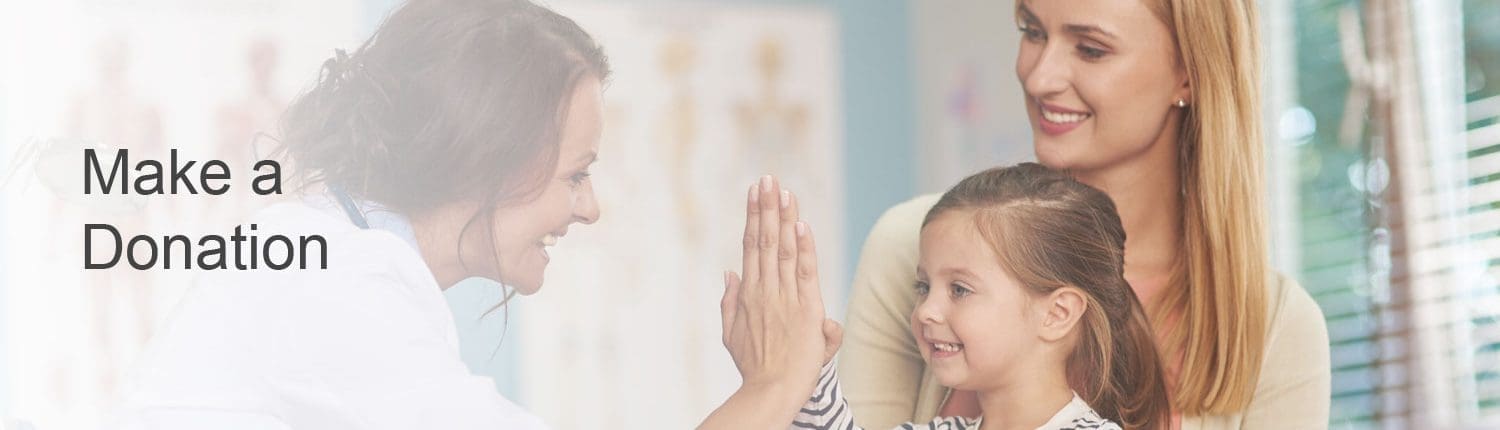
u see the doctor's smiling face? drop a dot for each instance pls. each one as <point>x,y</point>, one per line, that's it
<point>1101,78</point>
<point>476,120</point>
<point>523,231</point>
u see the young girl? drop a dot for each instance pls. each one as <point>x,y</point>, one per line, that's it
<point>1023,301</point>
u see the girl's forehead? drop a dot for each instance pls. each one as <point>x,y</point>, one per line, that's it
<point>953,242</point>
<point>950,229</point>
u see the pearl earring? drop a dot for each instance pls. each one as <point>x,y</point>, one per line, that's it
<point>1181,103</point>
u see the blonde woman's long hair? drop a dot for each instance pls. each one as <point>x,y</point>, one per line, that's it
<point>1216,319</point>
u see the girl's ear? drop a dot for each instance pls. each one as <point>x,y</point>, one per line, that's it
<point>1064,308</point>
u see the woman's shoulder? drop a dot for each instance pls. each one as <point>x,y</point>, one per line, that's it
<point>1290,305</point>
<point>351,251</point>
<point>1296,370</point>
<point>365,269</point>
<point>889,256</point>
<point>901,225</point>
<point>911,211</point>
<point>373,293</point>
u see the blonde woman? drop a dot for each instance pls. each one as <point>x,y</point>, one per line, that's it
<point>1156,103</point>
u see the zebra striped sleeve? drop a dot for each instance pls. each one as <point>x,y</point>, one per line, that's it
<point>827,408</point>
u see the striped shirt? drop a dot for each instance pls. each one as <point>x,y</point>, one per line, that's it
<point>828,409</point>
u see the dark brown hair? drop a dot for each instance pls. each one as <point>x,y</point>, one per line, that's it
<point>1050,231</point>
<point>449,101</point>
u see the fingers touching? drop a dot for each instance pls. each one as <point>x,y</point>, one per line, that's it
<point>780,259</point>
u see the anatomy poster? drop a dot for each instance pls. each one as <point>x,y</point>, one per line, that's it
<point>703,101</point>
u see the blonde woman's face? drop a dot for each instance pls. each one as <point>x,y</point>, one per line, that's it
<point>1101,78</point>
<point>974,323</point>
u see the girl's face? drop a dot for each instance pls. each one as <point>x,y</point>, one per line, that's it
<point>1101,79</point>
<point>974,323</point>
<point>523,232</point>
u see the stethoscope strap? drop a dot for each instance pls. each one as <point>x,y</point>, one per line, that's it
<point>350,209</point>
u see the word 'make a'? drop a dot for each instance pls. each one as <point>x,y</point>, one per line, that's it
<point>176,177</point>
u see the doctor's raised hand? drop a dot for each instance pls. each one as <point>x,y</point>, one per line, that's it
<point>774,324</point>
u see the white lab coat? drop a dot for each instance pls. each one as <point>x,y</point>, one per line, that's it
<point>369,343</point>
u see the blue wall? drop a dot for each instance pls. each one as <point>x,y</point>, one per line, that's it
<point>880,113</point>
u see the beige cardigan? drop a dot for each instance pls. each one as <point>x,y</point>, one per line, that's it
<point>887,382</point>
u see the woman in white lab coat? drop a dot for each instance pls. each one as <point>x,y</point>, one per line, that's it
<point>454,143</point>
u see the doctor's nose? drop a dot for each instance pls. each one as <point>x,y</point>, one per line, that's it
<point>586,206</point>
